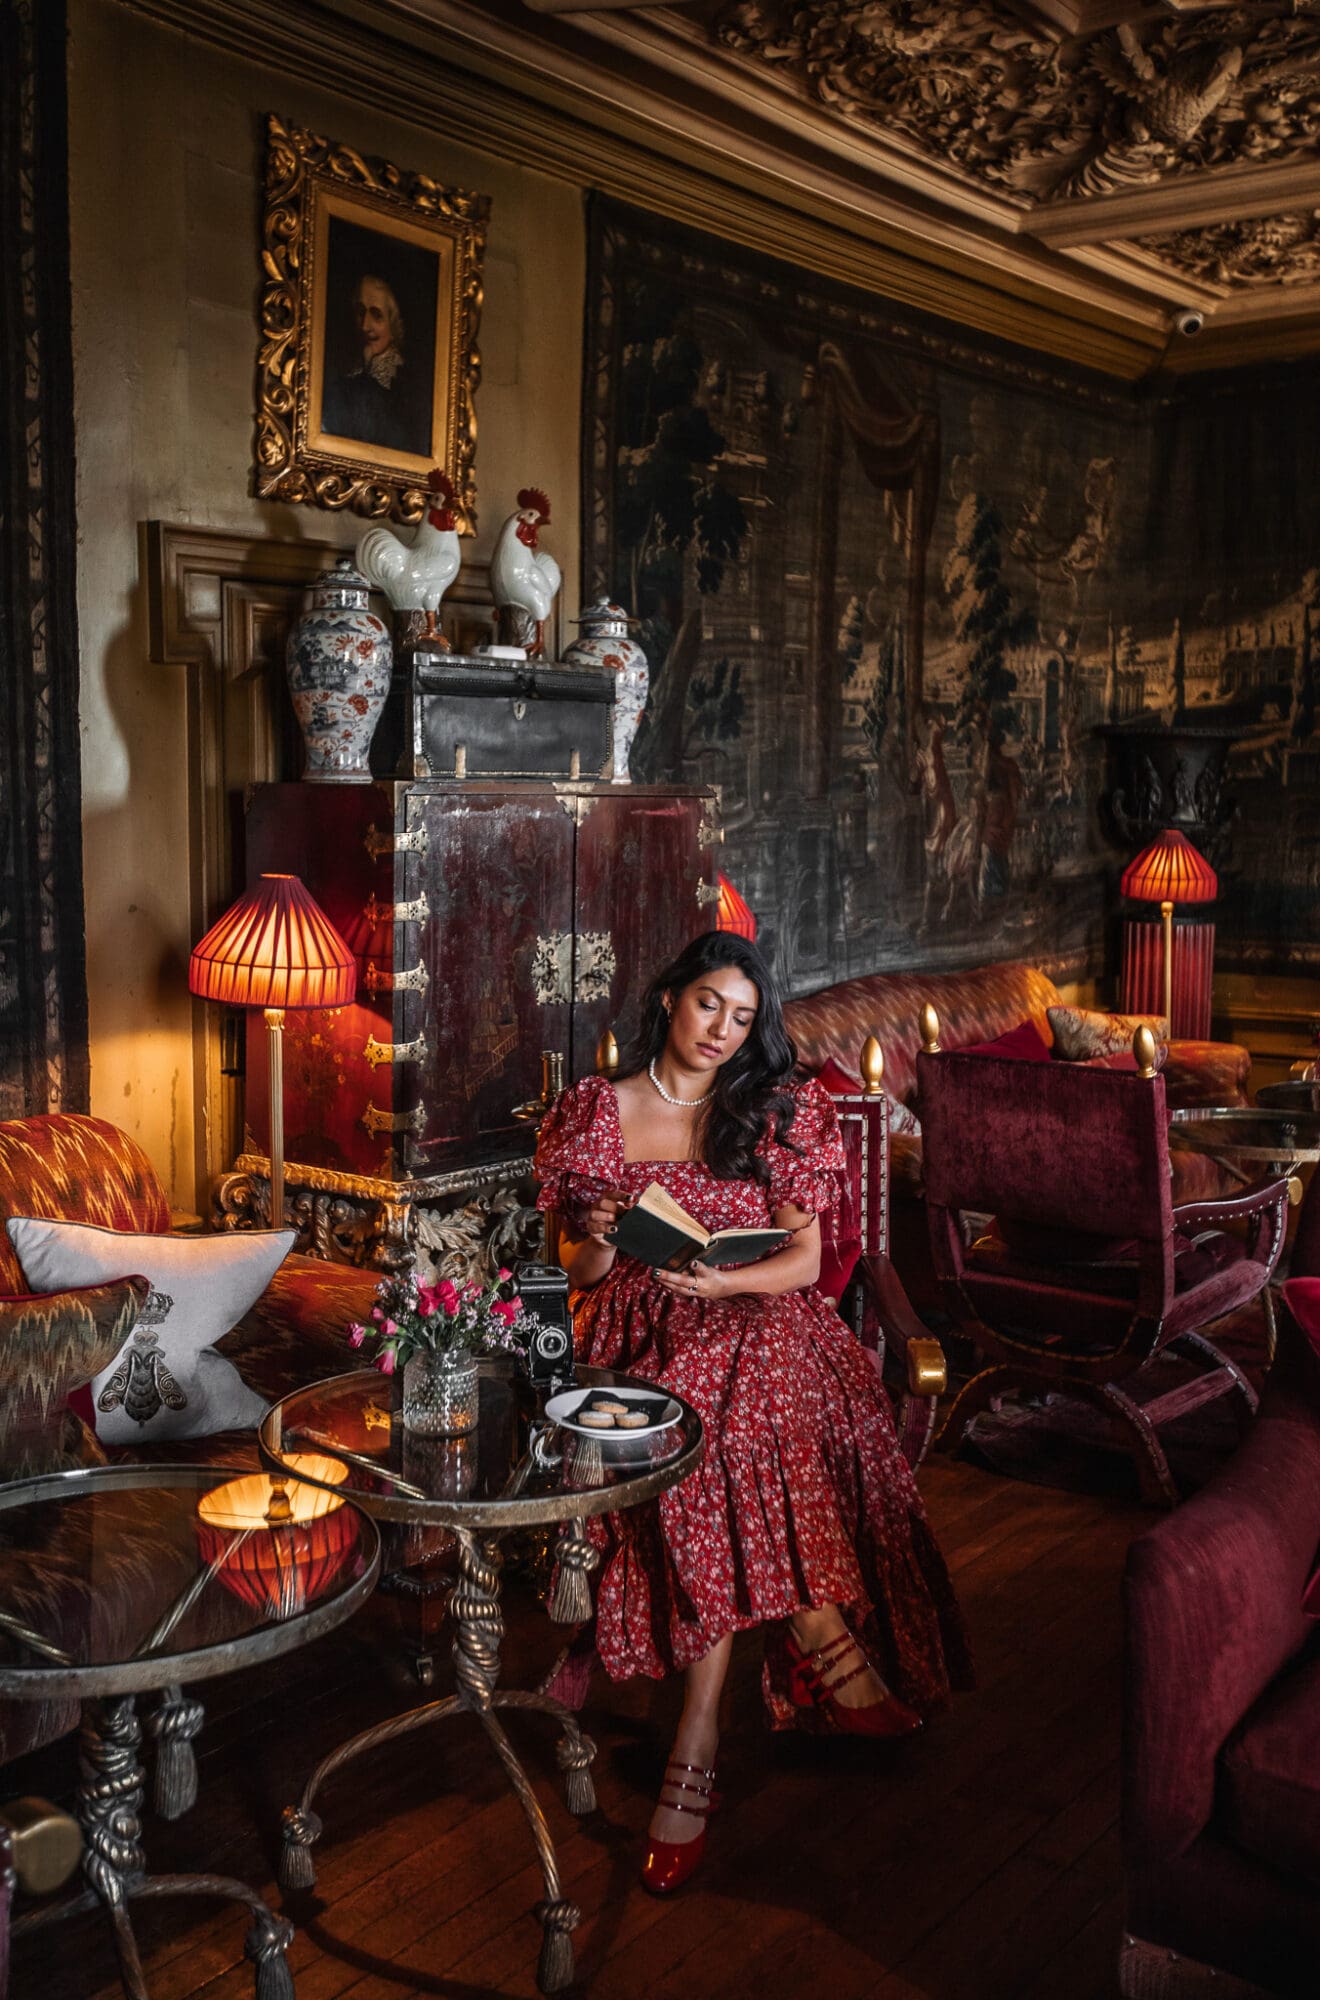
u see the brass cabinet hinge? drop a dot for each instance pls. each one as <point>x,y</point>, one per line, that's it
<point>415,980</point>
<point>377,1121</point>
<point>376,1053</point>
<point>707,892</point>
<point>417,840</point>
<point>415,912</point>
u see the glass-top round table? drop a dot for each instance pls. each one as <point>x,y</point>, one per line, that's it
<point>515,1469</point>
<point>1248,1140</point>
<point>1293,1095</point>
<point>1251,1143</point>
<point>123,1580</point>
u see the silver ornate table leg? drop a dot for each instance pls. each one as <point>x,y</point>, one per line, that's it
<point>174,1727</point>
<point>475,1607</point>
<point>109,1808</point>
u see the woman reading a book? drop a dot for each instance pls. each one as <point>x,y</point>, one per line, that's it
<point>804,1517</point>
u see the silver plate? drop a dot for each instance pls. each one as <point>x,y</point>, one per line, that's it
<point>561,1408</point>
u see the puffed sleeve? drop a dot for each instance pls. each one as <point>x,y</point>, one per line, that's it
<point>806,1172</point>
<point>579,1152</point>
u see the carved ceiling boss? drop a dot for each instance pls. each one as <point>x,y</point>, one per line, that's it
<point>1039,115</point>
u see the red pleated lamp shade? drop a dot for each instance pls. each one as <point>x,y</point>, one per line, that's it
<point>280,1566</point>
<point>275,948</point>
<point>1170,870</point>
<point>733,913</point>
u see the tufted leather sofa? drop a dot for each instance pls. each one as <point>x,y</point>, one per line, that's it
<point>975,1006</point>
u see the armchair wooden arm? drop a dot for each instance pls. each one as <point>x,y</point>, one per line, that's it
<point>1264,1207</point>
<point>891,1329</point>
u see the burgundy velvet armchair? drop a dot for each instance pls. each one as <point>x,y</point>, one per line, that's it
<point>869,1292</point>
<point>1221,1719</point>
<point>1087,1272</point>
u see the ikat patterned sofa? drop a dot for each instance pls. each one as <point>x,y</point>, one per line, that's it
<point>76,1169</point>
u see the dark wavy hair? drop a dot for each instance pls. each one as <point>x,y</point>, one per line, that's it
<point>750,1093</point>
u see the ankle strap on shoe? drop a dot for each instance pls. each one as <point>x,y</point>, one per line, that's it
<point>695,1769</point>
<point>702,1792</point>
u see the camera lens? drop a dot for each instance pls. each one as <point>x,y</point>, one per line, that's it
<point>552,1343</point>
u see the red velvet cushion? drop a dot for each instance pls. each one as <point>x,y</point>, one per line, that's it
<point>837,1080</point>
<point>1271,1775</point>
<point>1302,1298</point>
<point>1025,1043</point>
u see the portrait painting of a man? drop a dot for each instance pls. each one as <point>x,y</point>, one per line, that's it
<point>367,356</point>
<point>381,301</point>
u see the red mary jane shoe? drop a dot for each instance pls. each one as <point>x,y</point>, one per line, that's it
<point>671,1863</point>
<point>810,1691</point>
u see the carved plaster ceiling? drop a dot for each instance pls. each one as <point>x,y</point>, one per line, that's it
<point>1173,146</point>
<point>1040,116</point>
<point>1083,176</point>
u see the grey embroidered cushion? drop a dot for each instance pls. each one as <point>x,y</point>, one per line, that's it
<point>167,1381</point>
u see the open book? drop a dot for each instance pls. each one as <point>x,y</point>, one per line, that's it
<point>657,1231</point>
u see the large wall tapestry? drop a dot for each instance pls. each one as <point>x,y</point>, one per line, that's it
<point>43,996</point>
<point>1228,633</point>
<point>877,591</point>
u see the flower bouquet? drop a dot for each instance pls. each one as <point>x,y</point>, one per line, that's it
<point>436,1332</point>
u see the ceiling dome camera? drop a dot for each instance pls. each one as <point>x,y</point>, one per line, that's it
<point>1189,320</point>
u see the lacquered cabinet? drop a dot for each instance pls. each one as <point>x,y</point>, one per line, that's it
<point>491,920</point>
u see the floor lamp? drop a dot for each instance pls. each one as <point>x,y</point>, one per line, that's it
<point>1170,871</point>
<point>275,949</point>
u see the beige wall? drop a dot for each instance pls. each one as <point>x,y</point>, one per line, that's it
<point>165,197</point>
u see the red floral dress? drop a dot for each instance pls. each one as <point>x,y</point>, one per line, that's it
<point>804,1497</point>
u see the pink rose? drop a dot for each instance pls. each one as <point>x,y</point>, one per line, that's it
<point>378,1314</point>
<point>390,1328</point>
<point>506,1309</point>
<point>356,1335</point>
<point>447,1292</point>
<point>503,1275</point>
<point>385,1361</point>
<point>428,1300</point>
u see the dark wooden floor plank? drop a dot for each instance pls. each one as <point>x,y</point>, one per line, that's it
<point>980,1862</point>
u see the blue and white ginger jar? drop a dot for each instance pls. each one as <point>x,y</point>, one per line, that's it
<point>603,642</point>
<point>339,660</point>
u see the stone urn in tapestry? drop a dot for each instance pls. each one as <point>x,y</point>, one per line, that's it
<point>603,642</point>
<point>339,661</point>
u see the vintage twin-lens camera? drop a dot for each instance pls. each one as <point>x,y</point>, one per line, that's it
<point>543,1289</point>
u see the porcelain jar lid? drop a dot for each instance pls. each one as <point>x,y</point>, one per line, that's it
<point>341,586</point>
<point>611,621</point>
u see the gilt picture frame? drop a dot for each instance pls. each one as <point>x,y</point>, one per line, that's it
<point>368,361</point>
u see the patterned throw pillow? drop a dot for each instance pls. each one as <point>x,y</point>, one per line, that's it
<point>168,1381</point>
<point>51,1345</point>
<point>1082,1033</point>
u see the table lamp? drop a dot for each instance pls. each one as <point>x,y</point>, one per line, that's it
<point>1170,871</point>
<point>275,949</point>
<point>733,914</point>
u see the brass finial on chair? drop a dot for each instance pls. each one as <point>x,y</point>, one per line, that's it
<point>929,1023</point>
<point>1143,1048</point>
<point>873,1067</point>
<point>607,1054</point>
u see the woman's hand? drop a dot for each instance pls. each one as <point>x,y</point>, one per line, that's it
<point>599,1220</point>
<point>699,1281</point>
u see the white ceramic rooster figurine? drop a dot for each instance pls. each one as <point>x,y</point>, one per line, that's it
<point>524,580</point>
<point>416,578</point>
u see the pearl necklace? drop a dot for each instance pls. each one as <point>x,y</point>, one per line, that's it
<point>688,1103</point>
